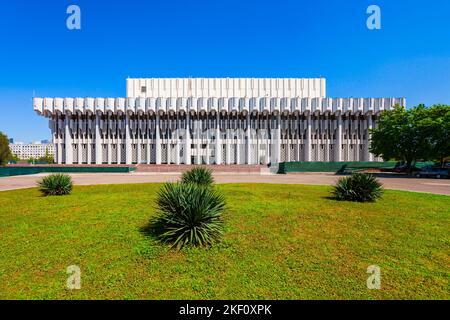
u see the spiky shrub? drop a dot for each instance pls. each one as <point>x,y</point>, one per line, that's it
<point>198,175</point>
<point>359,187</point>
<point>57,184</point>
<point>189,214</point>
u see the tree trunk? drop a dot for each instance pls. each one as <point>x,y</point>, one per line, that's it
<point>408,165</point>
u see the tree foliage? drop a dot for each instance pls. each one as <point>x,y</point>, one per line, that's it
<point>5,152</point>
<point>419,133</point>
<point>439,116</point>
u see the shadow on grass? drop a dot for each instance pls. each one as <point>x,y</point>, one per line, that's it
<point>334,199</point>
<point>152,230</point>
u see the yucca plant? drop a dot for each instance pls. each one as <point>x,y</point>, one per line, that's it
<point>359,187</point>
<point>57,184</point>
<point>189,214</point>
<point>198,175</point>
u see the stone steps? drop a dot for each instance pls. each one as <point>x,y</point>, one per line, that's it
<point>247,169</point>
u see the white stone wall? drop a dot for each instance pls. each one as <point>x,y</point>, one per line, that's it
<point>226,87</point>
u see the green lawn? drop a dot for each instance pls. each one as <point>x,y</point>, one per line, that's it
<point>281,242</point>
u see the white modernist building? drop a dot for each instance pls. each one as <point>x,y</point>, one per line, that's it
<point>31,150</point>
<point>213,121</point>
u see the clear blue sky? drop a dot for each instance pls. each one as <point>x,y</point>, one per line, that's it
<point>409,56</point>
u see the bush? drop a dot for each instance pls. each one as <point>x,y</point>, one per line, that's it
<point>198,175</point>
<point>359,187</point>
<point>189,214</point>
<point>57,184</point>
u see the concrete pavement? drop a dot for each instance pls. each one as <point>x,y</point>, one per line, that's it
<point>409,184</point>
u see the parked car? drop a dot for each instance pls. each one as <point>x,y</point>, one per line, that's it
<point>430,171</point>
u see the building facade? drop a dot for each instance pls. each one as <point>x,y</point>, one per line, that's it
<point>213,121</point>
<point>33,150</point>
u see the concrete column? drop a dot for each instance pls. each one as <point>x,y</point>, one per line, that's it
<point>258,141</point>
<point>228,147</point>
<point>348,140</point>
<point>90,155</point>
<point>177,145</point>
<point>357,140</point>
<point>88,140</point>
<point>58,141</point>
<point>119,145</point>
<point>59,151</point>
<point>108,149</point>
<point>119,140</point>
<point>148,141</point>
<point>79,136</point>
<point>139,146</point>
<point>98,145</point>
<point>308,139</point>
<point>157,140</point>
<point>52,123</point>
<point>258,145</point>
<point>288,149</point>
<point>109,143</point>
<point>248,145</point>
<point>369,156</point>
<point>198,146</point>
<point>168,144</point>
<point>338,144</point>
<point>187,151</point>
<point>268,142</point>
<point>68,140</point>
<point>277,146</point>
<point>317,138</point>
<point>327,139</point>
<point>238,149</point>
<point>299,139</point>
<point>127,140</point>
<point>218,150</point>
<point>207,141</point>
<point>176,138</point>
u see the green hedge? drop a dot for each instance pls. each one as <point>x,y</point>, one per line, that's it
<point>286,167</point>
<point>18,171</point>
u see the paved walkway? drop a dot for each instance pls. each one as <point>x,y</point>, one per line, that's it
<point>410,184</point>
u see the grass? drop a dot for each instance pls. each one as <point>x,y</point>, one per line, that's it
<point>281,242</point>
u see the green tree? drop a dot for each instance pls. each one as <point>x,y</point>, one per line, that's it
<point>5,152</point>
<point>403,135</point>
<point>439,116</point>
<point>32,160</point>
<point>14,158</point>
<point>47,158</point>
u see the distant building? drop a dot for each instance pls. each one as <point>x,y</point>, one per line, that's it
<point>31,150</point>
<point>11,140</point>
